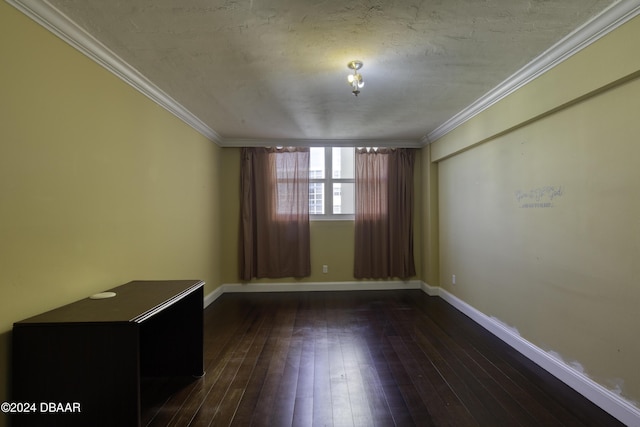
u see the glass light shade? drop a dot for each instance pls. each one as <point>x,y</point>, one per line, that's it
<point>355,80</point>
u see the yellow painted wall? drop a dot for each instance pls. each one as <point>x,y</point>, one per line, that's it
<point>540,211</point>
<point>332,242</point>
<point>429,219</point>
<point>98,184</point>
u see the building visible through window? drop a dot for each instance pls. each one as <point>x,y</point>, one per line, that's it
<point>332,182</point>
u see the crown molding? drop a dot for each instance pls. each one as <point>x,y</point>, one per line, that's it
<point>59,24</point>
<point>605,22</point>
<point>274,142</point>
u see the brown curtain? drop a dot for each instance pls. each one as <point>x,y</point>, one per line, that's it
<point>274,235</point>
<point>384,213</point>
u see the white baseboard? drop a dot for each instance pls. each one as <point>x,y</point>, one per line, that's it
<point>311,286</point>
<point>212,296</point>
<point>625,411</point>
<point>432,291</point>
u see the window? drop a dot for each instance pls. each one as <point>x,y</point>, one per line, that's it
<point>332,183</point>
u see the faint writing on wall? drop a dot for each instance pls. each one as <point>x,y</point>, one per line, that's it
<point>541,197</point>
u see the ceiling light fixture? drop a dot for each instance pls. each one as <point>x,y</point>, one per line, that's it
<point>355,79</point>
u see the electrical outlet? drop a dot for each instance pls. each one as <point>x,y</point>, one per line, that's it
<point>453,279</point>
<point>325,268</point>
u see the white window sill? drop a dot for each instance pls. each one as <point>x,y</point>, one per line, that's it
<point>334,217</point>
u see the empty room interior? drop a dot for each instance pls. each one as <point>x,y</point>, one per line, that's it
<point>125,127</point>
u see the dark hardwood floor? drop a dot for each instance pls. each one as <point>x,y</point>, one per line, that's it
<point>370,358</point>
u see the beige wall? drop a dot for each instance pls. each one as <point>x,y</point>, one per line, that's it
<point>429,219</point>
<point>332,242</point>
<point>540,206</point>
<point>98,185</point>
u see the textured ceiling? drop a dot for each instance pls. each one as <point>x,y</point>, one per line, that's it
<point>276,69</point>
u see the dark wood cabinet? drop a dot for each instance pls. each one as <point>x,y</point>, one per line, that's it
<point>81,364</point>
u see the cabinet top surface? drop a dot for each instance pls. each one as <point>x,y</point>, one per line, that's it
<point>133,302</point>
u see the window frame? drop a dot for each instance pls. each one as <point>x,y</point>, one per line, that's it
<point>328,182</point>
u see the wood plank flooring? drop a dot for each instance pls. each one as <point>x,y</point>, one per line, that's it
<point>370,358</point>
